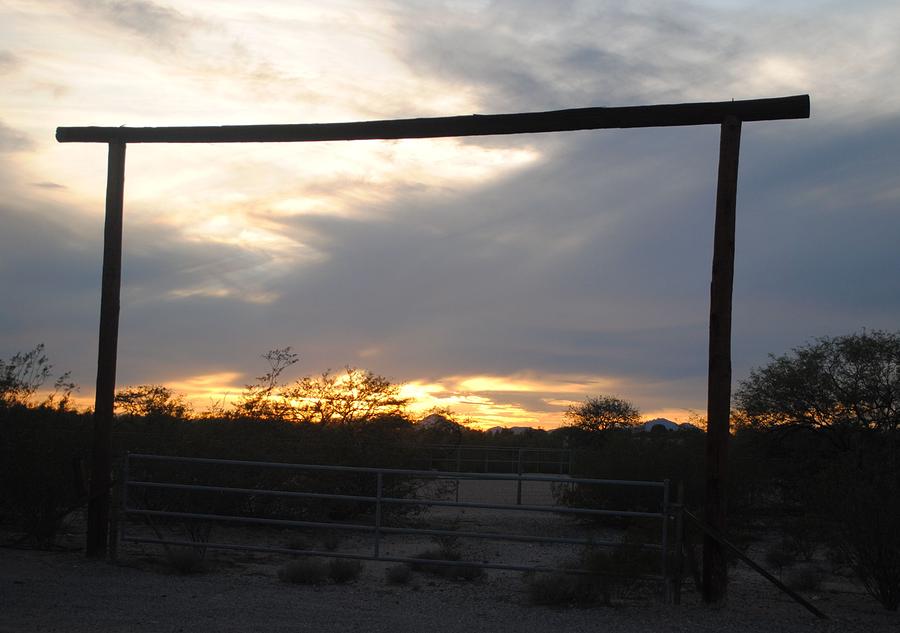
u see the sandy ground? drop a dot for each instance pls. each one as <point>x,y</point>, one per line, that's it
<point>240,591</point>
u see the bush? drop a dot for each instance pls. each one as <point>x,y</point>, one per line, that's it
<point>556,589</point>
<point>866,510</point>
<point>342,570</point>
<point>779,556</point>
<point>41,454</point>
<point>331,541</point>
<point>306,571</point>
<point>186,560</point>
<point>398,574</point>
<point>611,574</point>
<point>298,543</point>
<point>452,572</point>
<point>805,578</point>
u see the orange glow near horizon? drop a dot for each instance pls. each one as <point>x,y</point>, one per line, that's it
<point>482,401</point>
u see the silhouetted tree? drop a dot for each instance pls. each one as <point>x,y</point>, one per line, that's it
<point>845,391</point>
<point>838,385</point>
<point>262,399</point>
<point>25,373</point>
<point>151,400</point>
<point>350,396</point>
<point>600,413</point>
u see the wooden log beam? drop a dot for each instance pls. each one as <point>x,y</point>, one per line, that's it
<point>795,107</point>
<point>715,567</point>
<point>101,458</point>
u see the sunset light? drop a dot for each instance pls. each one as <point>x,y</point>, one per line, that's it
<point>505,277</point>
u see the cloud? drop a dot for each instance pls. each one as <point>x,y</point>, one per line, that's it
<point>586,261</point>
<point>9,62</point>
<point>521,56</point>
<point>48,185</point>
<point>151,20</point>
<point>12,140</point>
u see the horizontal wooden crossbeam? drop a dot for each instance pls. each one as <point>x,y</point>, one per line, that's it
<point>795,107</point>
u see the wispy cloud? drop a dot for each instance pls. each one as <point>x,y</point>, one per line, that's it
<point>48,185</point>
<point>510,276</point>
<point>13,140</point>
<point>9,62</point>
<point>152,20</point>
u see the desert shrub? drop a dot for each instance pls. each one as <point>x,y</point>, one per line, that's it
<point>626,455</point>
<point>331,541</point>
<point>865,505</point>
<point>433,554</point>
<point>297,542</point>
<point>803,535</point>
<point>306,571</point>
<point>805,578</point>
<point>186,560</point>
<point>342,570</point>
<point>398,574</point>
<point>446,552</point>
<point>780,555</point>
<point>42,451</point>
<point>559,589</point>
<point>628,560</point>
<point>610,574</point>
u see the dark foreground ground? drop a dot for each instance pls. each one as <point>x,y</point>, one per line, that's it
<point>63,591</point>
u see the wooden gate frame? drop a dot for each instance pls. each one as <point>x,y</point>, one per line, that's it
<point>728,114</point>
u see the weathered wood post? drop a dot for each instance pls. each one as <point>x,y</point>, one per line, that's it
<point>715,571</point>
<point>101,461</point>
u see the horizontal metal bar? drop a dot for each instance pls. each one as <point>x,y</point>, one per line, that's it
<point>518,538</point>
<point>398,500</point>
<point>258,521</point>
<point>515,538</point>
<point>249,491</point>
<point>665,115</point>
<point>399,471</point>
<point>383,559</point>
<point>527,508</point>
<point>468,447</point>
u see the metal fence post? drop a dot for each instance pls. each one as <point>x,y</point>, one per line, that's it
<point>378,491</point>
<point>458,468</point>
<point>679,543</point>
<point>519,482</point>
<point>115,517</point>
<point>667,590</point>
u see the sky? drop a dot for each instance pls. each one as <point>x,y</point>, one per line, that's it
<point>504,277</point>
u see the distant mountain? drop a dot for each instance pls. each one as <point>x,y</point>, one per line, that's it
<point>437,421</point>
<point>666,424</point>
<point>516,430</point>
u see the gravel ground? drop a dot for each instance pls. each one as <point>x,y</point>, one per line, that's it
<point>240,591</point>
<point>43,591</point>
<point>64,591</point>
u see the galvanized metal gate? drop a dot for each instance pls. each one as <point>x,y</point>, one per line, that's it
<point>252,481</point>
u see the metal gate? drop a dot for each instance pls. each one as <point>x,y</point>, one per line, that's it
<point>236,492</point>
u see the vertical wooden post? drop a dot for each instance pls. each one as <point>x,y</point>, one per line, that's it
<point>715,571</point>
<point>98,506</point>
